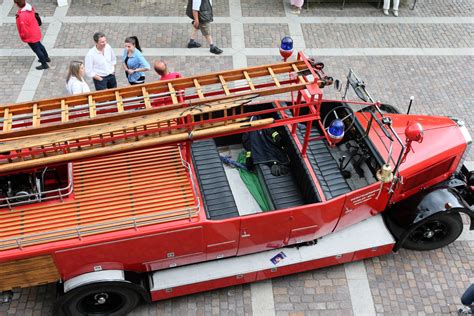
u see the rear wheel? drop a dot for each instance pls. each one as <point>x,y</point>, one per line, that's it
<point>434,232</point>
<point>102,299</point>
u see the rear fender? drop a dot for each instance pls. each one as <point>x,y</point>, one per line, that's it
<point>404,215</point>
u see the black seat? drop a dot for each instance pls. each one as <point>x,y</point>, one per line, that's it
<point>217,196</point>
<point>324,165</point>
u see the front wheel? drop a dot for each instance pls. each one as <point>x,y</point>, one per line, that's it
<point>114,299</point>
<point>434,232</point>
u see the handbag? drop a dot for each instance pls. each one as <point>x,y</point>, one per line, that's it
<point>38,19</point>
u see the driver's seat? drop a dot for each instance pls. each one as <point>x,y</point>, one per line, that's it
<point>324,165</point>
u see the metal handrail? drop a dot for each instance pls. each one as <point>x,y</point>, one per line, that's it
<point>41,196</point>
<point>187,166</point>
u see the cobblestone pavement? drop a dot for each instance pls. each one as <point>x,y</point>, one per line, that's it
<point>138,8</point>
<point>427,53</point>
<point>76,35</point>
<point>387,35</point>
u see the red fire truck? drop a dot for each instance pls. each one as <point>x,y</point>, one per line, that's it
<point>137,193</point>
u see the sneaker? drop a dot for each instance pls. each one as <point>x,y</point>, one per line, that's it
<point>395,12</point>
<point>215,50</point>
<point>42,66</point>
<point>385,12</point>
<point>193,44</point>
<point>465,310</point>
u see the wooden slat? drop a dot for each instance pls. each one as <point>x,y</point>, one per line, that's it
<point>27,272</point>
<point>118,97</point>
<point>224,85</point>
<point>198,88</point>
<point>7,120</point>
<point>64,111</point>
<point>174,99</point>
<point>275,79</point>
<point>146,98</point>
<point>300,77</point>
<point>92,109</point>
<point>247,77</point>
<point>36,119</point>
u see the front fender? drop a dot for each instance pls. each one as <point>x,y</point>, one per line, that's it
<point>402,216</point>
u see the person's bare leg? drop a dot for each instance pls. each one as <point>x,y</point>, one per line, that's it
<point>192,42</point>
<point>209,40</point>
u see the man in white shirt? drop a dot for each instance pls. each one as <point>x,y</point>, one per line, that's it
<point>100,63</point>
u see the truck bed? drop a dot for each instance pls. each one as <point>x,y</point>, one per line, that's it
<point>111,193</point>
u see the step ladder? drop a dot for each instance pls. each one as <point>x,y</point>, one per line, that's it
<point>51,131</point>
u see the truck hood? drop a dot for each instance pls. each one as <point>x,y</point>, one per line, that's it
<point>442,140</point>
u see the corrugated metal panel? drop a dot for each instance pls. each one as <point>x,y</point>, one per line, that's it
<point>111,193</point>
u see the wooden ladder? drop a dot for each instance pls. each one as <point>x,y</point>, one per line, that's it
<point>76,127</point>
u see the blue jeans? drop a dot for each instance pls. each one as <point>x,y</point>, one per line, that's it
<point>40,51</point>
<point>467,298</point>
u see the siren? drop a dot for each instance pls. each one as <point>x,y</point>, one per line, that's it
<point>336,131</point>
<point>286,47</point>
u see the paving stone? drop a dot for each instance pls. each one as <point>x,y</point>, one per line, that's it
<point>321,297</point>
<point>354,8</point>
<point>11,82</point>
<point>43,7</point>
<point>139,8</point>
<point>264,35</point>
<point>233,300</point>
<point>9,37</point>
<point>262,8</point>
<point>387,35</point>
<point>76,35</point>
<point>53,81</point>
<point>427,292</point>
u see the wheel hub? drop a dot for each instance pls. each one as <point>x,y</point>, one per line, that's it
<point>101,298</point>
<point>429,234</point>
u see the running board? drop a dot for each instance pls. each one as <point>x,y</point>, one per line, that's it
<point>366,239</point>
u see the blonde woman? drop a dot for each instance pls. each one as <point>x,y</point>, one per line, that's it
<point>75,83</point>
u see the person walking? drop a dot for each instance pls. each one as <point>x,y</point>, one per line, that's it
<point>162,70</point>
<point>200,11</point>
<point>100,63</point>
<point>75,83</point>
<point>30,32</point>
<point>386,6</point>
<point>134,63</point>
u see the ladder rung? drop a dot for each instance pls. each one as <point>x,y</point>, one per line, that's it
<point>36,119</point>
<point>92,110</point>
<point>119,100</point>
<point>270,70</point>
<point>7,120</point>
<point>300,77</point>
<point>198,89</point>
<point>64,111</point>
<point>146,98</point>
<point>246,75</point>
<point>173,93</point>
<point>224,85</point>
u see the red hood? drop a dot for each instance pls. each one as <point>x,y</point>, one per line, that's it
<point>442,139</point>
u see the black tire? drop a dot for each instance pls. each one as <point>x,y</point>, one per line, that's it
<point>434,232</point>
<point>100,299</point>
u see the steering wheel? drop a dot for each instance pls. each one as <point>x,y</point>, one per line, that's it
<point>350,116</point>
